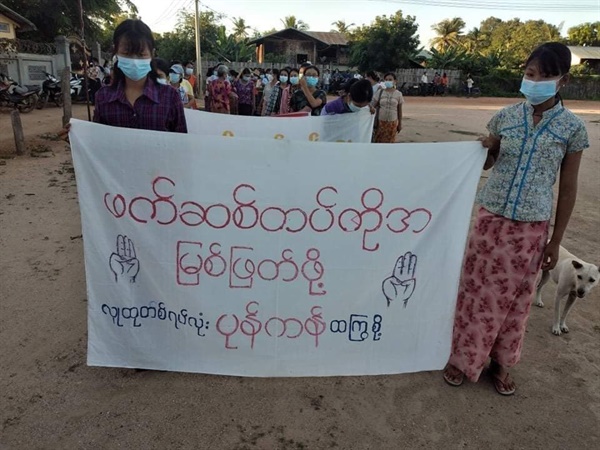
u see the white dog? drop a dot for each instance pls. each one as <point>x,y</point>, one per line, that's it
<point>574,278</point>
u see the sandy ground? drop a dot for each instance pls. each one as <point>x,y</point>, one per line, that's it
<point>50,399</point>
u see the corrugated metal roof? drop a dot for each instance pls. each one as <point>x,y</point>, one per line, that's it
<point>329,37</point>
<point>325,37</point>
<point>581,52</point>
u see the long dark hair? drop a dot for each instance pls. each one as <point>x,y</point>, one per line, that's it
<point>159,64</point>
<point>552,59</point>
<point>137,35</point>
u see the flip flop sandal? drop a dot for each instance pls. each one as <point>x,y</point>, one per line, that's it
<point>501,385</point>
<point>451,381</point>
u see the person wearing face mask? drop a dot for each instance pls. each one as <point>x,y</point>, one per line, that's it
<point>135,99</point>
<point>388,106</point>
<point>279,99</point>
<point>160,71</point>
<point>308,98</point>
<point>528,145</point>
<point>359,95</point>
<point>246,92</point>
<point>177,81</point>
<point>219,91</point>
<point>272,80</point>
<point>189,73</point>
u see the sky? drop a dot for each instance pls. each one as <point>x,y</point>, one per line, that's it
<point>319,14</point>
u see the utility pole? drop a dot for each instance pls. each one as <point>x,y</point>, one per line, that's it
<point>199,87</point>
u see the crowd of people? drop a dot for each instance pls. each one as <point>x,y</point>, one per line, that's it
<point>529,143</point>
<point>276,92</point>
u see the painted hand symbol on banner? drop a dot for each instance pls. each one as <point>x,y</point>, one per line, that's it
<point>124,263</point>
<point>401,285</point>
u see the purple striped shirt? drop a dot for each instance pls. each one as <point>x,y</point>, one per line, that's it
<point>158,108</point>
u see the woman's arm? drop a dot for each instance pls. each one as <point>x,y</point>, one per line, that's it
<point>313,102</point>
<point>492,143</point>
<point>567,194</point>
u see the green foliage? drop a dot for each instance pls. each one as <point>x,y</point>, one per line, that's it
<point>227,48</point>
<point>180,44</point>
<point>585,34</point>
<point>56,17</point>
<point>582,69</point>
<point>292,22</point>
<point>449,33</point>
<point>240,29</point>
<point>387,44</point>
<point>500,83</point>
<point>342,27</point>
<point>495,43</point>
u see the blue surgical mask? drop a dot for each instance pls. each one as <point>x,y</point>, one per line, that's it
<point>353,107</point>
<point>312,81</point>
<point>537,92</point>
<point>294,80</point>
<point>215,74</point>
<point>133,68</point>
<point>246,77</point>
<point>283,78</point>
<point>162,81</point>
<point>174,77</point>
<point>389,84</point>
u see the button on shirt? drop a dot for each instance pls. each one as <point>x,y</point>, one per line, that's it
<point>158,108</point>
<point>520,185</point>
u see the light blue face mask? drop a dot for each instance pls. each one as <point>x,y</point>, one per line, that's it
<point>133,68</point>
<point>246,77</point>
<point>537,92</point>
<point>389,84</point>
<point>312,81</point>
<point>162,81</point>
<point>283,78</point>
<point>294,80</point>
<point>354,108</point>
<point>174,78</point>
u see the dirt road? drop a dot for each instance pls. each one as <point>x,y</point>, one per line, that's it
<point>50,399</point>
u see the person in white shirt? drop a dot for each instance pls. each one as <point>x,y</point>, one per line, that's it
<point>424,83</point>
<point>470,83</point>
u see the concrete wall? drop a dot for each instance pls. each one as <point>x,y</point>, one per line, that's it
<point>28,68</point>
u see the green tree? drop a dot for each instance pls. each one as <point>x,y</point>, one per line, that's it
<point>449,32</point>
<point>473,40</point>
<point>180,44</point>
<point>387,44</point>
<point>585,34</point>
<point>292,22</point>
<point>240,29</point>
<point>342,27</point>
<point>54,17</point>
<point>228,48</point>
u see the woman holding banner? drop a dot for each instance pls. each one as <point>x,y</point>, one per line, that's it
<point>529,144</point>
<point>134,99</point>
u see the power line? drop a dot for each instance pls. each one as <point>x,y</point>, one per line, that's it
<point>172,10</point>
<point>524,5</point>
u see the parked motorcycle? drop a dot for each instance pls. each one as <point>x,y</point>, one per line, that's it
<point>12,94</point>
<point>78,85</point>
<point>51,92</point>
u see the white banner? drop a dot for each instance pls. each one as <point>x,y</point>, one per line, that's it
<point>271,258</point>
<point>356,127</point>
